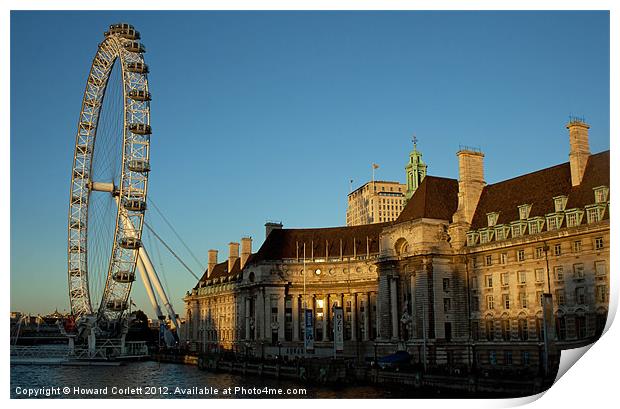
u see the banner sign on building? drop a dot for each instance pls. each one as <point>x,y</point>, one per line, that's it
<point>338,329</point>
<point>309,331</point>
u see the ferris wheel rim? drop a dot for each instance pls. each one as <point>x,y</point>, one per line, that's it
<point>120,46</point>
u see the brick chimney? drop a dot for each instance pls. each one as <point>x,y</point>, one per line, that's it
<point>212,262</point>
<point>233,254</point>
<point>270,226</point>
<point>246,250</point>
<point>471,183</point>
<point>579,149</point>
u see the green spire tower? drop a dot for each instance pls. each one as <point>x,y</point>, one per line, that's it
<point>415,169</point>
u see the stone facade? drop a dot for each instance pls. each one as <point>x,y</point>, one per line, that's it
<point>457,279</point>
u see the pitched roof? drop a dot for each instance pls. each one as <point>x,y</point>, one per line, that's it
<point>221,270</point>
<point>538,189</point>
<point>435,198</point>
<point>320,243</point>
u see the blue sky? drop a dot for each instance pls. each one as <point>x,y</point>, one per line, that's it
<point>267,115</point>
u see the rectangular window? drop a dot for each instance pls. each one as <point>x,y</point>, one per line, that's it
<point>540,252</point>
<point>522,277</point>
<point>576,246</point>
<point>578,270</point>
<point>557,249</point>
<point>525,358</point>
<point>580,295</point>
<point>446,284</point>
<point>488,280</point>
<point>490,305</point>
<point>474,282</point>
<point>601,293</point>
<point>447,307</point>
<point>508,358</point>
<point>571,219</point>
<point>523,299</point>
<point>484,237</point>
<point>539,275</point>
<point>500,234</point>
<point>600,194</point>
<point>600,268</point>
<point>560,203</point>
<point>488,260</point>
<point>560,297</point>
<point>593,215</point>
<point>521,255</point>
<point>552,223</point>
<point>598,243</point>
<point>504,279</point>
<point>539,297</point>
<point>558,273</point>
<point>506,301</point>
<point>503,258</point>
<point>516,230</point>
<point>534,229</point>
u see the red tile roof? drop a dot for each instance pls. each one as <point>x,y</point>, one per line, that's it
<point>435,198</point>
<point>538,189</point>
<point>320,243</point>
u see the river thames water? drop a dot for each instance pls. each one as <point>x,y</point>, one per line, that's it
<point>150,379</point>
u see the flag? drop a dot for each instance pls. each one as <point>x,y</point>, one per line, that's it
<point>375,166</point>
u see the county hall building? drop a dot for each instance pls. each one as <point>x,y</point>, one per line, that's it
<point>459,277</point>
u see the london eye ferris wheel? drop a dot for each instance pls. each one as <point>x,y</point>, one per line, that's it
<point>109,179</point>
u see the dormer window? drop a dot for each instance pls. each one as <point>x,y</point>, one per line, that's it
<point>486,236</point>
<point>574,217</point>
<point>560,203</point>
<point>492,218</point>
<point>600,194</point>
<point>524,211</point>
<point>472,238</point>
<point>501,232</point>
<point>518,228</point>
<point>595,212</point>
<point>535,225</point>
<point>554,221</point>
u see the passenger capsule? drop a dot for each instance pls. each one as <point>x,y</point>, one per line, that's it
<point>139,95</point>
<point>138,67</point>
<point>76,249</point>
<point>117,305</point>
<point>130,243</point>
<point>134,205</point>
<point>140,129</point>
<point>124,277</point>
<point>134,47</point>
<point>139,165</point>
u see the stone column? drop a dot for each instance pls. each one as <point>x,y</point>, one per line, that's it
<point>413,309</point>
<point>377,317</point>
<point>247,318</point>
<point>394,307</point>
<point>384,326</point>
<point>267,317</point>
<point>195,321</point>
<point>367,310</point>
<point>325,316</point>
<point>259,322</point>
<point>295,306</point>
<point>281,316</point>
<point>354,317</point>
